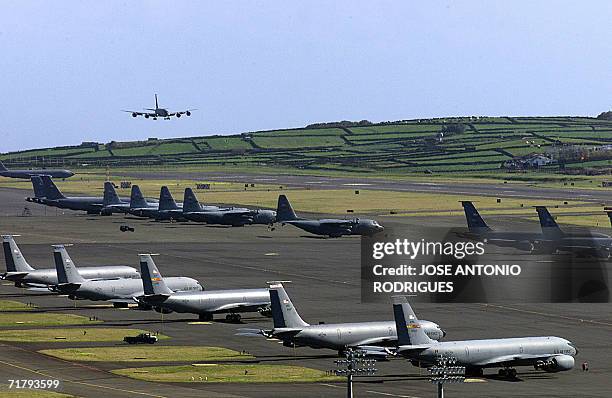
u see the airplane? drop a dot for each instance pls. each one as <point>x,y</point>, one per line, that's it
<point>333,228</point>
<point>204,303</point>
<point>139,206</point>
<point>119,291</point>
<point>166,209</point>
<point>479,230</point>
<point>18,269</point>
<point>160,112</point>
<point>588,243</point>
<point>26,174</point>
<point>547,353</point>
<point>293,331</point>
<point>111,202</point>
<point>55,198</point>
<point>234,216</point>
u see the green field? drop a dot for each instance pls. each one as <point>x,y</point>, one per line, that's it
<point>42,319</point>
<point>397,149</point>
<point>69,334</point>
<point>146,353</point>
<point>213,373</point>
<point>31,393</point>
<point>10,305</point>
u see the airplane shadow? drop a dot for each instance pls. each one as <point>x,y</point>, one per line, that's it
<point>314,237</point>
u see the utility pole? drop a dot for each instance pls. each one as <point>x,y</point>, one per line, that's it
<point>355,364</point>
<point>446,371</point>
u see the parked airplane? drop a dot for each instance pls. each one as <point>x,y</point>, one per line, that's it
<point>204,303</point>
<point>139,206</point>
<point>478,229</point>
<point>586,243</point>
<point>119,291</point>
<point>111,202</point>
<point>55,198</point>
<point>160,112</point>
<point>26,174</point>
<point>18,270</point>
<point>293,331</point>
<point>234,216</point>
<point>550,354</point>
<point>167,208</point>
<point>333,228</point>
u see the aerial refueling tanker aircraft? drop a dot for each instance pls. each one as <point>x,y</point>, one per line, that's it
<point>371,337</point>
<point>18,270</point>
<point>160,112</point>
<point>27,174</point>
<point>333,228</point>
<point>47,193</point>
<point>120,292</point>
<point>548,353</point>
<point>232,302</point>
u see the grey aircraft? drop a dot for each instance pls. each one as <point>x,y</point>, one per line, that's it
<point>119,291</point>
<point>27,174</point>
<point>166,209</point>
<point>371,337</point>
<point>160,112</point>
<point>548,353</point>
<point>111,202</point>
<point>139,206</point>
<point>594,244</point>
<point>18,270</point>
<point>479,230</point>
<point>234,216</point>
<point>52,196</point>
<point>232,302</point>
<point>333,228</point>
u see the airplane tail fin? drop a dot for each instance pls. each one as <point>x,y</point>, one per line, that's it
<point>156,105</point>
<point>15,262</point>
<point>284,211</point>
<point>166,201</point>
<point>152,281</point>
<point>610,216</point>
<point>137,200</point>
<point>547,222</point>
<point>110,195</point>
<point>190,201</point>
<point>3,167</point>
<point>65,267</point>
<point>51,190</point>
<point>474,220</point>
<point>409,331</point>
<point>284,313</point>
<point>38,186</point>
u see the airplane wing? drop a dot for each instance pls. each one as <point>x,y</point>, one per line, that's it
<point>137,113</point>
<point>375,341</point>
<point>504,359</point>
<point>125,300</point>
<point>238,306</point>
<point>408,349</point>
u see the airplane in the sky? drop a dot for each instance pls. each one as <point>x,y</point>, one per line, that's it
<point>547,353</point>
<point>160,112</point>
<point>27,174</point>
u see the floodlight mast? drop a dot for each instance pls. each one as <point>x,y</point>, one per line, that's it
<point>355,363</point>
<point>446,371</point>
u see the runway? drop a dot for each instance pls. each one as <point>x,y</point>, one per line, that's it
<point>325,287</point>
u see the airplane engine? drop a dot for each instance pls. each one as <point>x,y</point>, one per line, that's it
<point>134,114</point>
<point>188,113</point>
<point>162,310</point>
<point>558,363</point>
<point>178,115</point>
<point>146,116</point>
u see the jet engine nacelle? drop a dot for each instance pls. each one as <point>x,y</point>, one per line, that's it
<point>558,363</point>
<point>178,115</point>
<point>134,114</point>
<point>188,113</point>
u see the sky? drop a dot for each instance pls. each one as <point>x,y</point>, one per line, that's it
<point>68,68</point>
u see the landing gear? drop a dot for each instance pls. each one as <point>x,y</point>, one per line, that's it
<point>233,318</point>
<point>509,373</point>
<point>206,317</point>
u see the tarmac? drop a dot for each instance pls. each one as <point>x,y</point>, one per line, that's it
<point>325,275</point>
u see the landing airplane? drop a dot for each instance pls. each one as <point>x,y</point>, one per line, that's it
<point>27,174</point>
<point>333,228</point>
<point>18,269</point>
<point>293,331</point>
<point>120,292</point>
<point>160,112</point>
<point>549,353</point>
<point>204,303</point>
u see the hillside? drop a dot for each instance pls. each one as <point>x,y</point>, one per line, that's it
<point>480,144</point>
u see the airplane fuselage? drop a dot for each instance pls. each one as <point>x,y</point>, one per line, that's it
<point>216,301</point>
<point>49,276</point>
<point>336,228</point>
<point>126,288</point>
<point>27,174</point>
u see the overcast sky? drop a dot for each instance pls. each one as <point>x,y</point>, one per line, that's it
<point>68,68</point>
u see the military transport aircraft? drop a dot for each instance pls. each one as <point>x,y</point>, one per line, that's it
<point>204,303</point>
<point>53,197</point>
<point>550,354</point>
<point>26,174</point>
<point>293,331</point>
<point>18,270</point>
<point>333,228</point>
<point>119,291</point>
<point>160,112</point>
